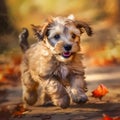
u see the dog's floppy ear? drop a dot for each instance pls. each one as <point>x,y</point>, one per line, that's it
<point>40,31</point>
<point>37,31</point>
<point>82,25</point>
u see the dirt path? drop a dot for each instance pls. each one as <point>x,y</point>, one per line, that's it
<point>92,110</point>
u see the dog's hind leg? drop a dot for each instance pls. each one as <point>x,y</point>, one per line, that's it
<point>58,93</point>
<point>23,39</point>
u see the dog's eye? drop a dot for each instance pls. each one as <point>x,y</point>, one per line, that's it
<point>73,36</point>
<point>57,36</point>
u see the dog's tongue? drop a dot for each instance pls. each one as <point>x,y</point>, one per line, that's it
<point>66,54</point>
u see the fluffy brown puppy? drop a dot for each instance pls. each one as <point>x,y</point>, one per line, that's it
<point>54,63</point>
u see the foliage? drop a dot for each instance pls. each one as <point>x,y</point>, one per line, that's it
<point>100,91</point>
<point>107,117</point>
<point>10,70</point>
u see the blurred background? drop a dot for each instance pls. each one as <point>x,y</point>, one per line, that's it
<point>101,53</point>
<point>102,49</point>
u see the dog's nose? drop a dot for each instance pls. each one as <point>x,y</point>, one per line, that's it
<point>67,47</point>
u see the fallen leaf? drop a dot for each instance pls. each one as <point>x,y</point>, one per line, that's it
<point>19,111</point>
<point>100,91</point>
<point>116,118</point>
<point>107,117</point>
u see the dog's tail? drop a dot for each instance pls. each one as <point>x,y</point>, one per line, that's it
<point>23,39</point>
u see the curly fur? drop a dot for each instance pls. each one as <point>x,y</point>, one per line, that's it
<point>54,63</point>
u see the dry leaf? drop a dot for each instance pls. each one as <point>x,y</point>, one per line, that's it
<point>10,71</point>
<point>19,111</point>
<point>100,91</point>
<point>107,117</point>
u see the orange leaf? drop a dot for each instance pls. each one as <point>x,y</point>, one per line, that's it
<point>116,118</point>
<point>3,80</point>
<point>106,117</point>
<point>19,111</point>
<point>100,91</point>
<point>17,114</point>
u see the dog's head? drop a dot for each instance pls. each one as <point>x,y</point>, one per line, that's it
<point>62,36</point>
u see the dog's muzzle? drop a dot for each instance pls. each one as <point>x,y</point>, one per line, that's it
<point>67,52</point>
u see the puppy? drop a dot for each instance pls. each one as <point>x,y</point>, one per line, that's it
<point>53,64</point>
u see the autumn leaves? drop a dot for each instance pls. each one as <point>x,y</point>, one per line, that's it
<point>100,91</point>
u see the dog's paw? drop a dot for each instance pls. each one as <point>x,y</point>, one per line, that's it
<point>30,98</point>
<point>78,96</point>
<point>79,99</point>
<point>62,102</point>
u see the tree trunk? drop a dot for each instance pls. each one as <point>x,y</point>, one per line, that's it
<point>5,24</point>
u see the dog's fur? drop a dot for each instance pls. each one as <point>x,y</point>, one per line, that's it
<point>54,62</point>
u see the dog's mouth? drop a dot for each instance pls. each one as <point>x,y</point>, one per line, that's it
<point>66,54</point>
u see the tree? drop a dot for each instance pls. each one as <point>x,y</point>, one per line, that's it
<point>5,24</point>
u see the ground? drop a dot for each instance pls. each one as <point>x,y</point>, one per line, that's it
<point>92,110</point>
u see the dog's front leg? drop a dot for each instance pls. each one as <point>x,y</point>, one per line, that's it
<point>58,93</point>
<point>30,94</point>
<point>77,89</point>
